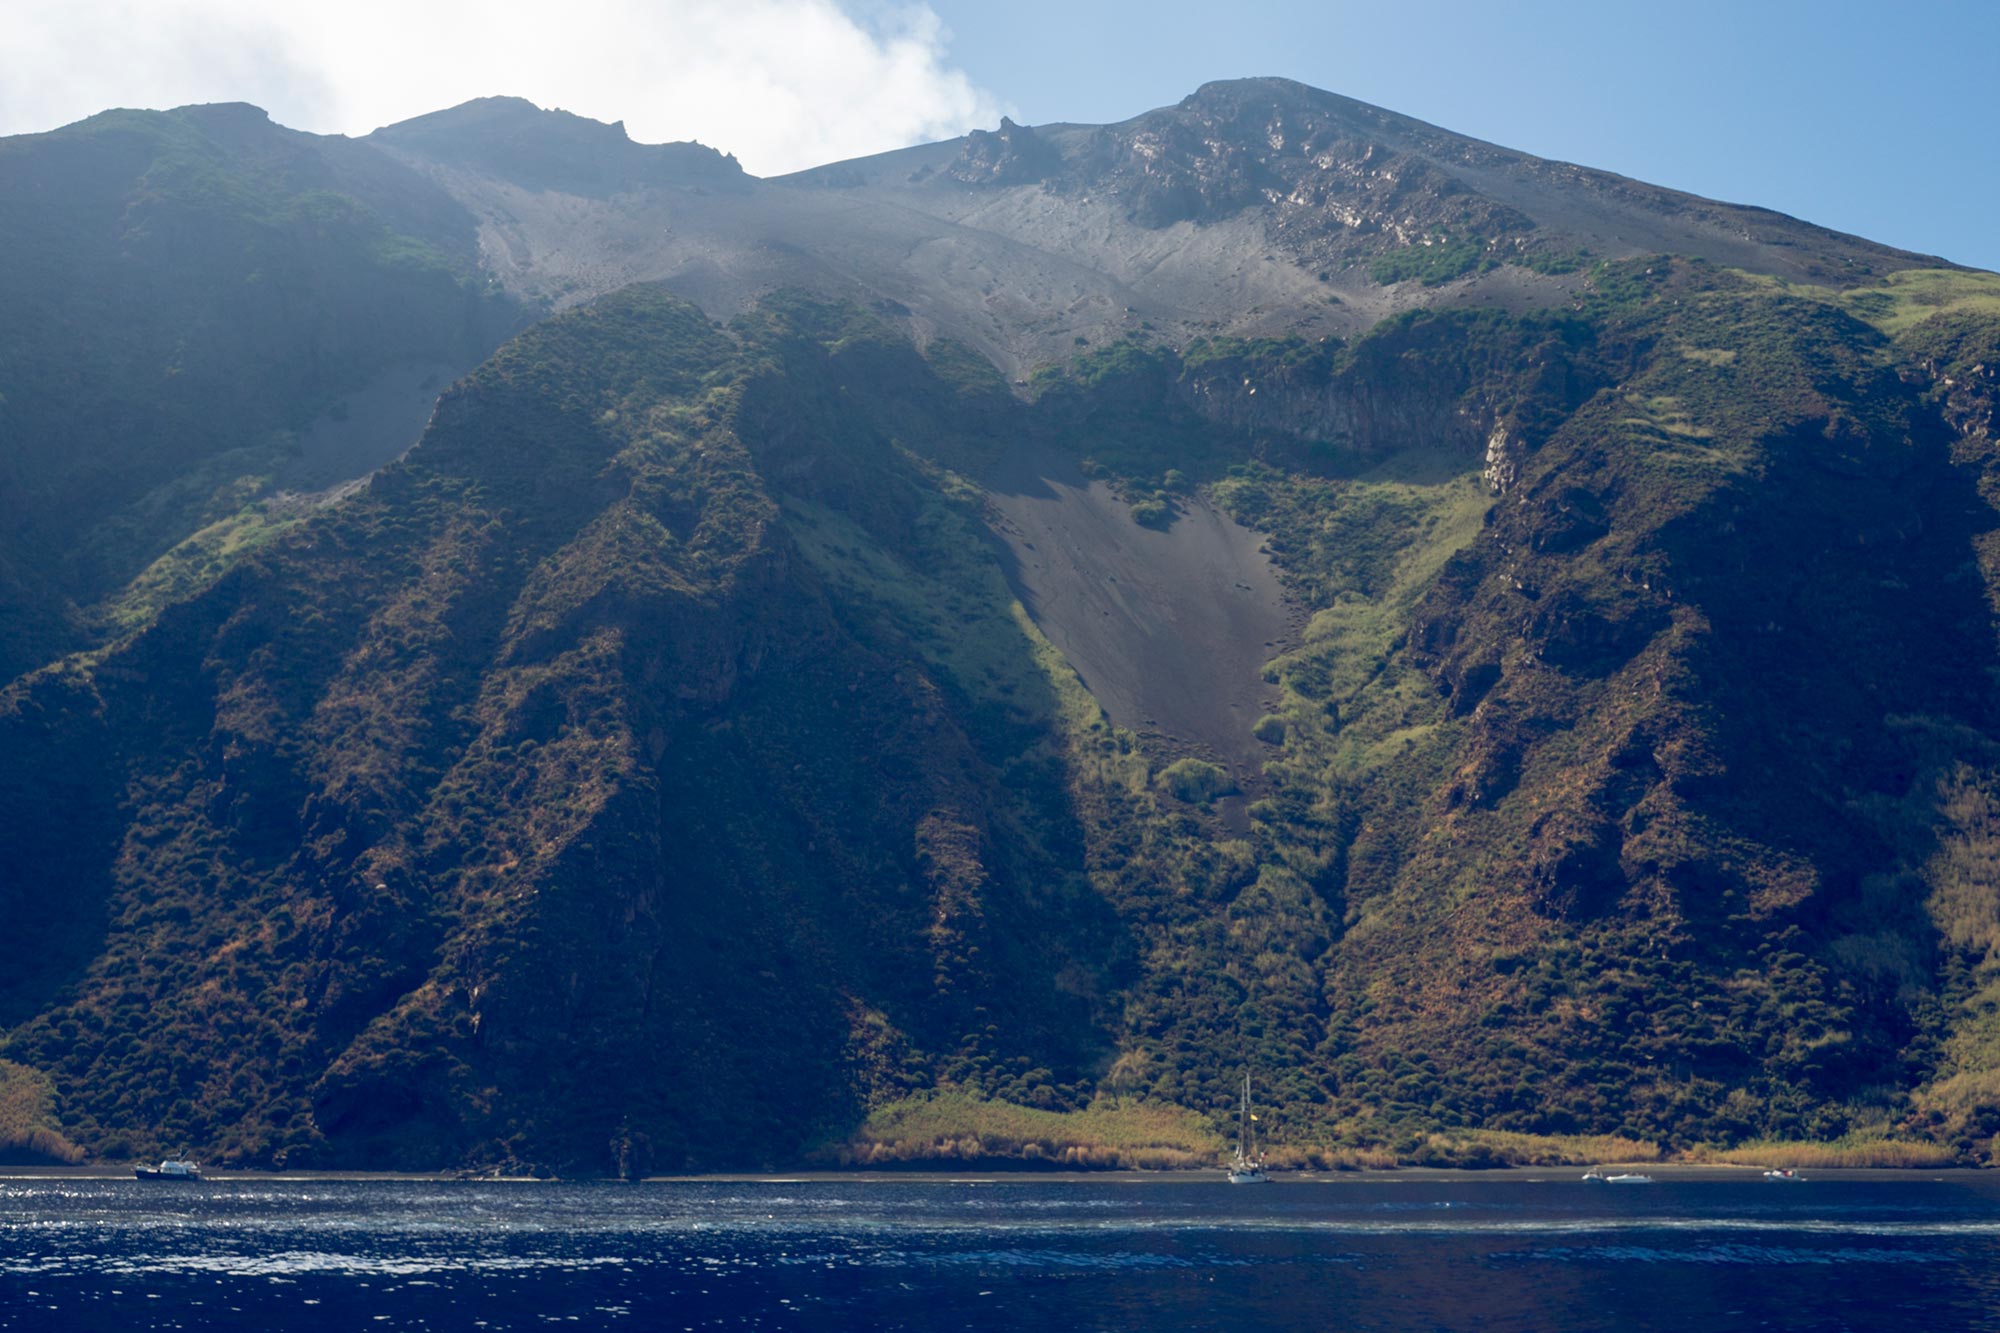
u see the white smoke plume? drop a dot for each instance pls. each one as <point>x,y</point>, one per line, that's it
<point>783,84</point>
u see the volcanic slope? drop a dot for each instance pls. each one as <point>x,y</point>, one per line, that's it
<point>668,716</point>
<point>665,715</point>
<point>205,310</point>
<point>551,749</point>
<point>1256,206</point>
<point>1168,623</point>
<point>286,306</point>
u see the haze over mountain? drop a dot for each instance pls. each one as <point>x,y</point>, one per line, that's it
<point>960,652</point>
<point>1250,208</point>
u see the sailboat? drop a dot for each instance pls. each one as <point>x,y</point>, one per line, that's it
<point>1248,1168</point>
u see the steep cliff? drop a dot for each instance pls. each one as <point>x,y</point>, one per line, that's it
<point>548,749</point>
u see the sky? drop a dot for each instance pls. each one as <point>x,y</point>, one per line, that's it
<point>1867,117</point>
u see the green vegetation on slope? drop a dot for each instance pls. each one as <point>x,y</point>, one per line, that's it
<point>525,753</point>
<point>667,713</point>
<point>1906,299</point>
<point>1432,262</point>
<point>185,292</point>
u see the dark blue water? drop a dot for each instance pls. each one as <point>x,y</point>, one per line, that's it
<point>1487,1253</point>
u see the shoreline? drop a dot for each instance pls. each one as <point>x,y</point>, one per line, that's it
<point>1659,1171</point>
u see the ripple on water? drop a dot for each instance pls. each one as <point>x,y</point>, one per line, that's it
<point>1761,1256</point>
<point>426,1252</point>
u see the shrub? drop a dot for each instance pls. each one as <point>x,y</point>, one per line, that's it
<point>1196,781</point>
<point>1432,264</point>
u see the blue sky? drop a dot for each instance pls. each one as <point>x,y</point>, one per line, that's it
<point>1872,118</point>
<point>1879,119</point>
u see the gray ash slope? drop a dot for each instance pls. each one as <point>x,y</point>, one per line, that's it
<point>1168,628</point>
<point>1255,208</point>
<point>1251,207</point>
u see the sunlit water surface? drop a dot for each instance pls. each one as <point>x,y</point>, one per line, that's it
<point>1499,1253</point>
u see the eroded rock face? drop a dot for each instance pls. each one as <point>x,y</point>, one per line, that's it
<point>1401,395</point>
<point>1367,417</point>
<point>1969,396</point>
<point>1502,468</point>
<point>1333,188</point>
<point>1011,155</point>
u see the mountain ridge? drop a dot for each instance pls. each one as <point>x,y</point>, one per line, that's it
<point>690,706</point>
<point>929,241</point>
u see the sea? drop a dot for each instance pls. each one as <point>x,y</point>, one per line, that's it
<point>1391,1251</point>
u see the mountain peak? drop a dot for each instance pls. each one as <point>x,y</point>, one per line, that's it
<point>500,114</point>
<point>1234,100</point>
<point>552,150</point>
<point>1343,184</point>
<point>1260,86</point>
<point>230,113</point>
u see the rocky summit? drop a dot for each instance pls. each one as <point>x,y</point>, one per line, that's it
<point>530,650</point>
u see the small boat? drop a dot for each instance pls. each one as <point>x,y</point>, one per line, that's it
<point>1628,1180</point>
<point>1782,1173</point>
<point>1594,1176</point>
<point>1248,1168</point>
<point>173,1168</point>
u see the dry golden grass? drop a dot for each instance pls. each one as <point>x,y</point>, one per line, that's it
<point>1556,1149</point>
<point>27,1117</point>
<point>1115,1133</point>
<point>1842,1153</point>
<point>958,1129</point>
<point>954,1127</point>
<point>1962,1095</point>
<point>1289,1158</point>
<point>1905,298</point>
